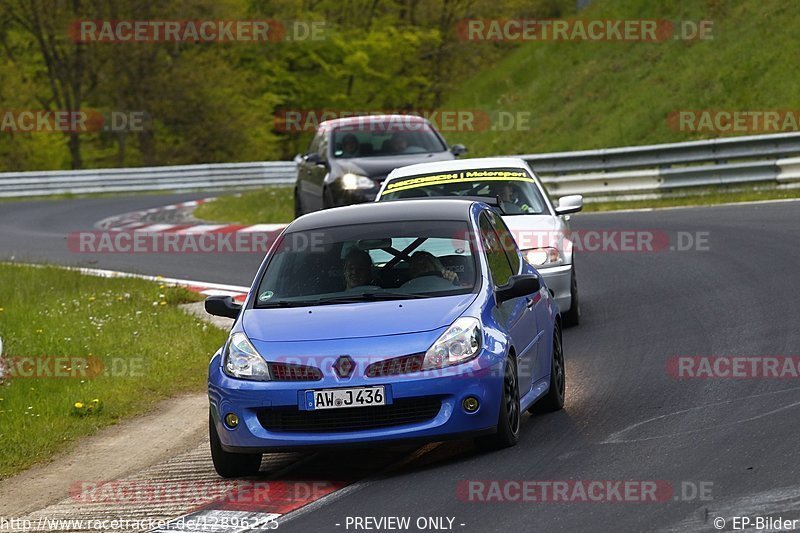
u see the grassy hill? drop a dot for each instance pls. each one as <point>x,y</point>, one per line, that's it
<point>590,94</point>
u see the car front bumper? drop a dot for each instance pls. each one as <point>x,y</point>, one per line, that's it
<point>481,378</point>
<point>342,196</point>
<point>558,280</point>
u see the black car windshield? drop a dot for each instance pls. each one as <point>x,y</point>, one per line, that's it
<point>515,188</point>
<point>369,262</point>
<point>408,137</point>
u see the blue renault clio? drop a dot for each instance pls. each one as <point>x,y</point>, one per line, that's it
<point>413,320</point>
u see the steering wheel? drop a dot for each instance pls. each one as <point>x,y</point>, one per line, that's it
<point>436,273</point>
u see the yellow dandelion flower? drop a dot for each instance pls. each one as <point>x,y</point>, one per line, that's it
<point>78,405</point>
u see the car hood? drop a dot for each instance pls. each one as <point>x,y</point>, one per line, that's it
<point>348,321</point>
<point>378,167</point>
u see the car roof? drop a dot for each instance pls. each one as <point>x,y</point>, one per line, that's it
<point>349,121</point>
<point>459,164</point>
<point>370,213</point>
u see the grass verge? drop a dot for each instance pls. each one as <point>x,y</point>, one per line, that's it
<point>70,338</point>
<point>273,205</point>
<point>598,94</point>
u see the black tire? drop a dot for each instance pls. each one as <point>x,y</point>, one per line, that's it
<point>508,423</point>
<point>573,316</point>
<point>230,465</point>
<point>298,205</point>
<point>554,399</point>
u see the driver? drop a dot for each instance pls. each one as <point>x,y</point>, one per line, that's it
<point>357,269</point>
<point>398,143</point>
<point>426,264</point>
<point>507,193</point>
<point>504,191</point>
<point>350,145</point>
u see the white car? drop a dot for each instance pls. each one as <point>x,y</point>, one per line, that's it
<point>541,229</point>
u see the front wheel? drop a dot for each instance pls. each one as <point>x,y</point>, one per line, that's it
<point>507,434</point>
<point>554,400</point>
<point>230,465</point>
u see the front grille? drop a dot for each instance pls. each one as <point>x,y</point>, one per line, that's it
<point>402,411</point>
<point>292,372</point>
<point>407,364</point>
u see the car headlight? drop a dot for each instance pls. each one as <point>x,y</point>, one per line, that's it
<point>351,182</point>
<point>460,343</point>
<point>543,257</point>
<point>241,360</point>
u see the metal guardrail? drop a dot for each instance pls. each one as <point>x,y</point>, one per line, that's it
<point>174,178</point>
<point>611,173</point>
<point>655,155</point>
<point>671,169</point>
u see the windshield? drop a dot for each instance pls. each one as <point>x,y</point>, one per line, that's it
<point>385,140</point>
<point>368,262</point>
<point>515,188</point>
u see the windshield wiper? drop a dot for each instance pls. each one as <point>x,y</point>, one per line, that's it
<point>284,303</point>
<point>370,297</point>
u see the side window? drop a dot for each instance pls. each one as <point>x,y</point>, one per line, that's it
<point>507,242</point>
<point>322,149</point>
<point>314,146</point>
<point>495,256</point>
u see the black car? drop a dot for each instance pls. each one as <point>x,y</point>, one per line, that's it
<point>349,158</point>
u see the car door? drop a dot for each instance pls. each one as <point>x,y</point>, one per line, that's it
<point>535,303</point>
<point>309,195</point>
<point>318,171</point>
<point>514,314</point>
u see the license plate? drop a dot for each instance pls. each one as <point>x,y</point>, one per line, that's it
<point>341,398</point>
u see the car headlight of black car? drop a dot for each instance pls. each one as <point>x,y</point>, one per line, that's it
<point>351,182</point>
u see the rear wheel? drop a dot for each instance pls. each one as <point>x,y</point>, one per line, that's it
<point>554,399</point>
<point>573,316</point>
<point>229,465</point>
<point>508,423</point>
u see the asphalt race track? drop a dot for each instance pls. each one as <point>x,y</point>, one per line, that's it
<point>627,417</point>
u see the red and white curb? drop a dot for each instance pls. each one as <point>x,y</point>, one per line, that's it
<point>140,221</point>
<point>206,288</point>
<point>136,219</point>
<point>237,292</point>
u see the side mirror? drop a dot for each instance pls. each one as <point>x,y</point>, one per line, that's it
<point>313,158</point>
<point>569,204</point>
<point>458,149</point>
<point>222,306</point>
<point>519,285</point>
